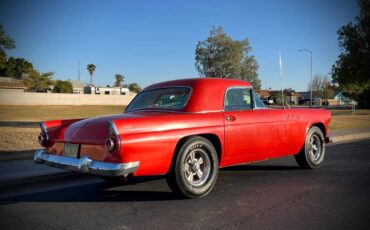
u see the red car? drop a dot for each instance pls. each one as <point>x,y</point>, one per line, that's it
<point>187,130</point>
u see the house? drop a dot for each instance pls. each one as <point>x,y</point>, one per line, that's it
<point>293,97</point>
<point>106,90</point>
<point>263,94</point>
<point>305,94</point>
<point>78,86</point>
<point>339,99</point>
<point>8,84</point>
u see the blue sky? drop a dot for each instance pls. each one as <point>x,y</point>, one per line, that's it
<point>152,41</point>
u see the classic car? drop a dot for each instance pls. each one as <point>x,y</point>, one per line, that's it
<point>186,130</point>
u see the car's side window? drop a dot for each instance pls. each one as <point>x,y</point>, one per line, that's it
<point>258,102</point>
<point>238,99</point>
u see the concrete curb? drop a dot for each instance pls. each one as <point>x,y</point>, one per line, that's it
<point>350,137</point>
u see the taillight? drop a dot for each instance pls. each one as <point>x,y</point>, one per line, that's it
<point>43,138</point>
<point>110,144</point>
<point>113,142</point>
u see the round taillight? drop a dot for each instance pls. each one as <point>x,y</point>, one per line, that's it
<point>110,144</point>
<point>42,139</point>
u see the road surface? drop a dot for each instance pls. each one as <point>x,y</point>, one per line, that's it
<point>275,194</point>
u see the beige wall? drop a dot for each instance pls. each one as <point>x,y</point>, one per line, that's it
<point>23,98</point>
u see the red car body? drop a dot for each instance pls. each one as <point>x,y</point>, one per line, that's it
<point>151,137</point>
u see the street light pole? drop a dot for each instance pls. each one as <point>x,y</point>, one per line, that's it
<point>307,50</point>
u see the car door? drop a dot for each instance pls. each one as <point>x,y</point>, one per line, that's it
<point>250,133</point>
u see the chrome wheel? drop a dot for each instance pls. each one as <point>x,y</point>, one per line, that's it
<point>193,172</point>
<point>196,167</point>
<point>312,153</point>
<point>314,148</point>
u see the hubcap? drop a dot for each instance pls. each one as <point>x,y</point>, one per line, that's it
<point>314,148</point>
<point>196,167</point>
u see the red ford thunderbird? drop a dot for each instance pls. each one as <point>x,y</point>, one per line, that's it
<point>187,130</point>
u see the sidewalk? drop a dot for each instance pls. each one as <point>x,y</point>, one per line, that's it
<point>341,135</point>
<point>26,171</point>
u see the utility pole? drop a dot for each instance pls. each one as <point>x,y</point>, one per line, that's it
<point>78,70</point>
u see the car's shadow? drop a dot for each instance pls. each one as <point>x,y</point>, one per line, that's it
<point>261,168</point>
<point>102,191</point>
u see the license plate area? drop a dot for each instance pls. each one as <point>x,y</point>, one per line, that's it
<point>71,150</point>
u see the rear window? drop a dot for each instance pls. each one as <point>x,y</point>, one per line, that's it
<point>173,98</point>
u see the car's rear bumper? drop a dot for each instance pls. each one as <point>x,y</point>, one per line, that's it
<point>85,164</point>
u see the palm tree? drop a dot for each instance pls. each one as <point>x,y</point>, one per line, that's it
<point>91,69</point>
<point>119,80</point>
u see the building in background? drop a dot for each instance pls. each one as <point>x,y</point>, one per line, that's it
<point>8,84</point>
<point>106,90</point>
<point>339,99</point>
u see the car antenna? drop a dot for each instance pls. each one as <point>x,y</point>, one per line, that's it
<point>282,82</point>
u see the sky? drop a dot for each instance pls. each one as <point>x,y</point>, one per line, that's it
<point>153,41</point>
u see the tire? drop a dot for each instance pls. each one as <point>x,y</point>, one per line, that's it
<point>312,153</point>
<point>194,169</point>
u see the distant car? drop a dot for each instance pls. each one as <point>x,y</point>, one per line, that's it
<point>187,130</point>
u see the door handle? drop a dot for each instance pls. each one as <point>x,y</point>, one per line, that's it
<point>230,118</point>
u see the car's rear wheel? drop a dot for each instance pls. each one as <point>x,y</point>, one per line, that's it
<point>194,171</point>
<point>313,152</point>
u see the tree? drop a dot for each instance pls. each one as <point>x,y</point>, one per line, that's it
<point>119,80</point>
<point>63,87</point>
<point>221,56</point>
<point>91,68</point>
<point>134,87</point>
<point>321,87</point>
<point>37,82</point>
<point>351,72</point>
<point>6,43</point>
<point>15,67</point>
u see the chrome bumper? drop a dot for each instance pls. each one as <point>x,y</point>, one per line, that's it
<point>85,164</point>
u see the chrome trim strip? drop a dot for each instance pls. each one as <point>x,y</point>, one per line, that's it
<point>85,164</point>
<point>113,126</point>
<point>43,127</point>
<point>44,130</point>
<point>111,123</point>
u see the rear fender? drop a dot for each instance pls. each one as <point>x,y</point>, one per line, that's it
<point>55,129</point>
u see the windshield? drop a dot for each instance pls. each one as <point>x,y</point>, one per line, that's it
<point>174,98</point>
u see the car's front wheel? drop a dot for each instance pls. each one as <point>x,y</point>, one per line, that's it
<point>195,168</point>
<point>313,152</point>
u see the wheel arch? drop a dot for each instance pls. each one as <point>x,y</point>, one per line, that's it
<point>211,137</point>
<point>321,126</point>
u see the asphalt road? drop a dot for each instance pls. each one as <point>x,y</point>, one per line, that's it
<point>275,194</point>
